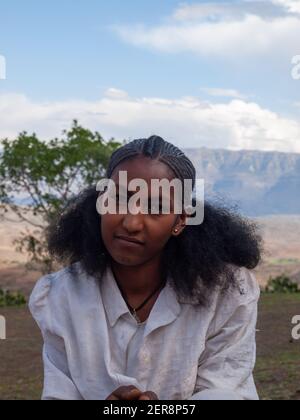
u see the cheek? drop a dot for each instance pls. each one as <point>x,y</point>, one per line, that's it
<point>160,232</point>
<point>108,226</point>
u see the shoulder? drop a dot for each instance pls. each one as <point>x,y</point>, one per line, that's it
<point>52,292</point>
<point>54,284</point>
<point>237,304</point>
<point>243,291</point>
<point>246,288</point>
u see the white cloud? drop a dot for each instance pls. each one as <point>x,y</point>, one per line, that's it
<point>230,30</point>
<point>225,93</point>
<point>230,10</point>
<point>293,6</point>
<point>187,121</point>
<point>114,93</point>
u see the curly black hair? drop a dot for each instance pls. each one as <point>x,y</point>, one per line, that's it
<point>199,260</point>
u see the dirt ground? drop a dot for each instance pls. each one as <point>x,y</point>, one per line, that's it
<point>277,372</point>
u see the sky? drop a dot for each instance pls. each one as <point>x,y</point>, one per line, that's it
<point>216,74</point>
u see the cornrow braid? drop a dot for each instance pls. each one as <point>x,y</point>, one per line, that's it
<point>156,148</point>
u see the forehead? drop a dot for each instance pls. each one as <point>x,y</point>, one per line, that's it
<point>143,167</point>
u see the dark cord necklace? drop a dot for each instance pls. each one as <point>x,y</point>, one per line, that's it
<point>135,310</point>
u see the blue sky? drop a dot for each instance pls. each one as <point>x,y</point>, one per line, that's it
<point>62,49</point>
<point>144,63</point>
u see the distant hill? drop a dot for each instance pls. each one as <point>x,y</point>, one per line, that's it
<point>261,183</point>
<point>281,243</point>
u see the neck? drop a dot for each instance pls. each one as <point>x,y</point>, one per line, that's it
<point>139,280</point>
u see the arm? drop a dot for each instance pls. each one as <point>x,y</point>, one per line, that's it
<point>58,384</point>
<point>225,370</point>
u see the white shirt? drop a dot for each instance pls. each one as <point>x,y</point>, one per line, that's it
<point>93,345</point>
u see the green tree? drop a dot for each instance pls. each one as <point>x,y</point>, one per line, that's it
<point>49,174</point>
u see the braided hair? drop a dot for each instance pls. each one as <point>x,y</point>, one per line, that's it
<point>155,148</point>
<point>202,258</point>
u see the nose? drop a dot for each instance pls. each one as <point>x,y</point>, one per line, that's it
<point>133,222</point>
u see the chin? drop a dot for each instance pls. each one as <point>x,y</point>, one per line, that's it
<point>127,260</point>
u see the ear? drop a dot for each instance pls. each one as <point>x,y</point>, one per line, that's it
<point>180,224</point>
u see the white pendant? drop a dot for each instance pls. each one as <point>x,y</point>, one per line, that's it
<point>136,317</point>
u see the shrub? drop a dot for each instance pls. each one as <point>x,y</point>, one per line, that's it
<point>281,284</point>
<point>8,298</point>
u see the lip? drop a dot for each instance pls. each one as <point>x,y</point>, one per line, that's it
<point>130,241</point>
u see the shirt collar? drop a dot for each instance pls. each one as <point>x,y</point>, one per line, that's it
<point>113,301</point>
<point>165,310</point>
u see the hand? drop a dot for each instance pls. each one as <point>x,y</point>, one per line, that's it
<point>131,393</point>
<point>125,393</point>
<point>148,395</point>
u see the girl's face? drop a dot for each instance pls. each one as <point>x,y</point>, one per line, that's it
<point>153,230</point>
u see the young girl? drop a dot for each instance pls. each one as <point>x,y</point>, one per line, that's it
<point>149,307</point>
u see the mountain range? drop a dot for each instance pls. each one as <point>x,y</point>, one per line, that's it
<point>259,183</point>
